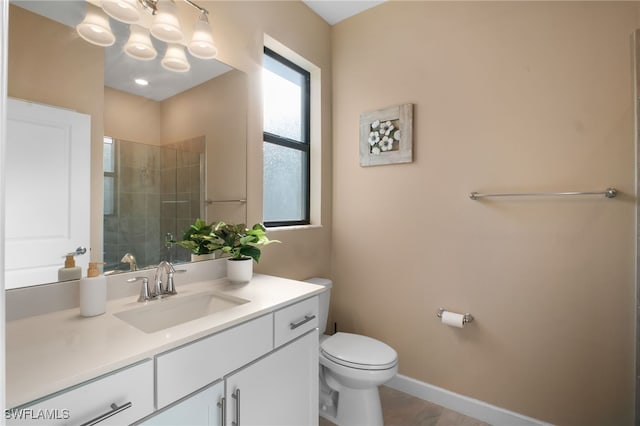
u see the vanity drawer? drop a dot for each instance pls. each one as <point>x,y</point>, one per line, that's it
<point>186,369</point>
<point>295,320</point>
<point>130,390</point>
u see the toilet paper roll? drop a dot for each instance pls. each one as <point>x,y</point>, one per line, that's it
<point>453,319</point>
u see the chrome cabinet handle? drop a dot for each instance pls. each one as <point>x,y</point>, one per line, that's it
<point>114,410</point>
<point>236,396</point>
<point>223,410</point>
<point>306,319</point>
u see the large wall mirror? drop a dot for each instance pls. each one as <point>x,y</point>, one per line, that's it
<point>162,155</point>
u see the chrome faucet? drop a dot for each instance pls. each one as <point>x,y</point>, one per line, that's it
<point>131,260</point>
<point>159,289</point>
<point>169,270</point>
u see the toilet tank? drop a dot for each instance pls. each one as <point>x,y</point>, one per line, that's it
<point>325,297</point>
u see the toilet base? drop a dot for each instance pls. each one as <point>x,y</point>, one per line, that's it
<point>359,407</point>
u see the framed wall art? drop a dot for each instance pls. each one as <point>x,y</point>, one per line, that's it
<point>386,136</point>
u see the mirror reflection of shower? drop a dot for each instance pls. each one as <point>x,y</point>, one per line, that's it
<point>152,194</point>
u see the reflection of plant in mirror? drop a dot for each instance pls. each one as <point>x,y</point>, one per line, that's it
<point>241,242</point>
<point>198,238</point>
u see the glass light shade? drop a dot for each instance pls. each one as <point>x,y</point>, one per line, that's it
<point>175,59</point>
<point>123,10</point>
<point>139,44</point>
<point>95,27</point>
<point>166,26</point>
<point>201,44</point>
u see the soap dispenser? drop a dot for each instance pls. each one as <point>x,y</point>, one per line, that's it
<point>69,271</point>
<point>93,292</point>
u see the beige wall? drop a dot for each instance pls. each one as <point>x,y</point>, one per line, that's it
<point>508,97</point>
<point>132,118</point>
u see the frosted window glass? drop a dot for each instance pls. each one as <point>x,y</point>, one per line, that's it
<point>282,97</point>
<point>108,155</point>
<point>109,195</point>
<point>284,198</point>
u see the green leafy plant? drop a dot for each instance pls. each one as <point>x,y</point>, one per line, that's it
<point>199,238</point>
<point>239,241</point>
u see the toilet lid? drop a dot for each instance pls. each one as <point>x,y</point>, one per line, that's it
<point>356,351</point>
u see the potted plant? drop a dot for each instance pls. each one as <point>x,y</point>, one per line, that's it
<point>242,244</point>
<point>199,239</point>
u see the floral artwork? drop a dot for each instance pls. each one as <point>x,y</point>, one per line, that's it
<point>385,136</point>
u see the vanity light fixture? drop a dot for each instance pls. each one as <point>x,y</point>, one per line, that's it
<point>123,10</point>
<point>175,59</point>
<point>158,18</point>
<point>139,45</point>
<point>166,25</point>
<point>201,44</point>
<point>95,27</point>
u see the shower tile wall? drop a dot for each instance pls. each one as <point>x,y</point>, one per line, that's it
<point>158,192</point>
<point>182,190</point>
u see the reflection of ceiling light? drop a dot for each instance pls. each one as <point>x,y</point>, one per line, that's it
<point>139,44</point>
<point>95,27</point>
<point>201,45</point>
<point>164,26</point>
<point>141,82</point>
<point>122,10</point>
<point>175,59</point>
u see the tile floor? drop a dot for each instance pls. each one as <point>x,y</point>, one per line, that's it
<point>400,409</point>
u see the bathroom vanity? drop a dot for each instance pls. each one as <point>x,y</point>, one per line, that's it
<point>253,361</point>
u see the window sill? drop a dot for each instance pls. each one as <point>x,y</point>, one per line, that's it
<point>293,228</point>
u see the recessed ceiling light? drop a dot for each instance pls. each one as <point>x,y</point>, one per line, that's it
<point>141,82</point>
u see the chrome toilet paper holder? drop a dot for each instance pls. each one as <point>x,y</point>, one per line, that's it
<point>466,318</point>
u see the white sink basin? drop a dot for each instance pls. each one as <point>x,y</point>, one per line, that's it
<point>171,311</point>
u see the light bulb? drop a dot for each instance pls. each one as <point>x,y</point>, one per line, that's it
<point>166,26</point>
<point>201,44</point>
<point>95,27</point>
<point>139,44</point>
<point>123,10</point>
<point>175,59</point>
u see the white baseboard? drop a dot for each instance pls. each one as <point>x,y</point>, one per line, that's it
<point>475,408</point>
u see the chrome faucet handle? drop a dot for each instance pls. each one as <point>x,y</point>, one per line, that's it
<point>171,287</point>
<point>145,293</point>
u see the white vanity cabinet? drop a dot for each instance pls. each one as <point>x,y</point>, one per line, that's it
<point>265,383</point>
<point>279,390</point>
<point>118,398</point>
<point>258,369</point>
<point>186,369</point>
<point>202,408</point>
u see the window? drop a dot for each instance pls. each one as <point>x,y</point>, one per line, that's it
<point>286,142</point>
<point>109,167</point>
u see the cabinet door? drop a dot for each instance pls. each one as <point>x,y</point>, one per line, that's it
<point>200,409</point>
<point>279,390</point>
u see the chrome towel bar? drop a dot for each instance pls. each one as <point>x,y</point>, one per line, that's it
<point>609,193</point>
<point>240,201</point>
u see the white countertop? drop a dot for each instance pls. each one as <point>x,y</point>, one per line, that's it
<point>48,353</point>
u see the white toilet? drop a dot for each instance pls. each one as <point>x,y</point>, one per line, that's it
<point>351,369</point>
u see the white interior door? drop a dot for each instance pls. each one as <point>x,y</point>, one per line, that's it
<point>48,157</point>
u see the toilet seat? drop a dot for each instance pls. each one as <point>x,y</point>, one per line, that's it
<point>357,351</point>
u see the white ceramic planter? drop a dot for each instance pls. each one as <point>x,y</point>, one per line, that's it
<point>239,270</point>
